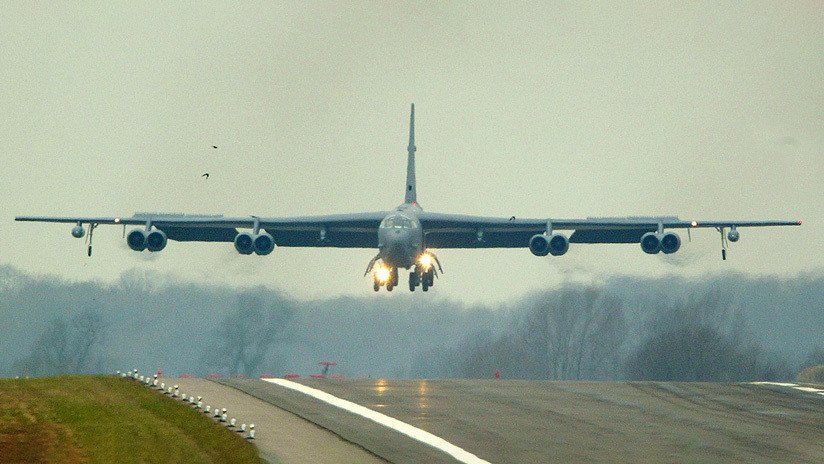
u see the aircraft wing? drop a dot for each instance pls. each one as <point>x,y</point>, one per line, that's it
<point>359,230</point>
<point>463,231</point>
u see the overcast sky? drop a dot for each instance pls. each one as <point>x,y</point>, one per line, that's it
<point>705,110</point>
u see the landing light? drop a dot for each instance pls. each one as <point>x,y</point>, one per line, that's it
<point>425,260</point>
<point>382,274</point>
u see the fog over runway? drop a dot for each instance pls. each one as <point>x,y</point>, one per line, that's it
<point>526,421</point>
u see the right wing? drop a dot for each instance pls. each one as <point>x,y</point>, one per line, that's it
<point>358,230</point>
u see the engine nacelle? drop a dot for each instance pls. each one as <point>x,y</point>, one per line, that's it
<point>555,244</point>
<point>558,244</point>
<point>245,243</point>
<point>651,243</point>
<point>733,235</point>
<point>78,231</point>
<point>670,242</point>
<point>137,240</point>
<point>264,244</point>
<point>539,245</point>
<point>156,240</point>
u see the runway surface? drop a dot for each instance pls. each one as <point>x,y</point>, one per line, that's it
<point>523,421</point>
<point>281,437</point>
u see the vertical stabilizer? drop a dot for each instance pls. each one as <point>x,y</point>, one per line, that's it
<point>411,195</point>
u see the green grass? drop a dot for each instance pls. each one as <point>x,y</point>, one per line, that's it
<point>80,419</point>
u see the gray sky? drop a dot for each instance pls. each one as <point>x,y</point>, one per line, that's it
<point>705,110</point>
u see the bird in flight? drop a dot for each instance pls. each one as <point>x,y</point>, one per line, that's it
<point>205,174</point>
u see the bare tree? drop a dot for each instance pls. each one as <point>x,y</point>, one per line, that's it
<point>246,335</point>
<point>568,334</point>
<point>66,347</point>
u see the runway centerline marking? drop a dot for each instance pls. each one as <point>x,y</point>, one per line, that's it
<point>794,386</point>
<point>390,422</point>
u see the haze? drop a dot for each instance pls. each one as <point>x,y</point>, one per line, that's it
<point>706,110</point>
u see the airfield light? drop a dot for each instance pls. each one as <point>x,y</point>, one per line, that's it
<point>694,223</point>
<point>425,260</point>
<point>383,274</point>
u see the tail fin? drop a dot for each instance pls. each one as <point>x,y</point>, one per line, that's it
<point>411,194</point>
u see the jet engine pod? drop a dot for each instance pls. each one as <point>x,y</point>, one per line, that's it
<point>78,232</point>
<point>156,240</point>
<point>733,235</point>
<point>651,243</point>
<point>670,242</point>
<point>245,243</point>
<point>136,240</point>
<point>539,245</point>
<point>558,244</point>
<point>264,244</point>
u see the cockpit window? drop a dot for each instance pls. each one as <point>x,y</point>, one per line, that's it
<point>398,222</point>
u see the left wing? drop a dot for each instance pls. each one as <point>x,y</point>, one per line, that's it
<point>463,231</point>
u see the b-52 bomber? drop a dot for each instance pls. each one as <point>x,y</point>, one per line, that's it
<point>405,237</point>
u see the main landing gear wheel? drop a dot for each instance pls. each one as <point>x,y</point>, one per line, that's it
<point>376,286</point>
<point>413,281</point>
<point>428,278</point>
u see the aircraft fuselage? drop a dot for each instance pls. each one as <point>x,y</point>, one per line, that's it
<point>400,237</point>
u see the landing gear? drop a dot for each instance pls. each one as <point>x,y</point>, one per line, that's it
<point>425,279</point>
<point>390,280</point>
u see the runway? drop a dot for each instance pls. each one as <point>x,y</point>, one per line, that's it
<point>530,421</point>
<point>281,436</point>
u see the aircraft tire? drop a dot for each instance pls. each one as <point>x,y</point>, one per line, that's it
<point>376,286</point>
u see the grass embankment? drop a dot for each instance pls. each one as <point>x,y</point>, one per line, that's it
<point>81,419</point>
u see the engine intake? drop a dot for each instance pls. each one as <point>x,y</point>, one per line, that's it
<point>156,240</point>
<point>137,240</point>
<point>651,243</point>
<point>539,245</point>
<point>245,243</point>
<point>670,242</point>
<point>264,244</point>
<point>555,244</point>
